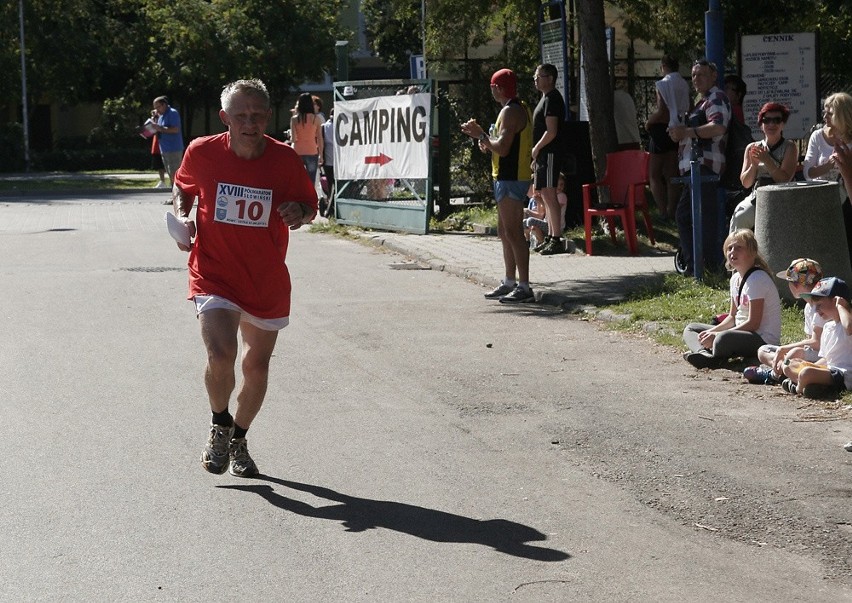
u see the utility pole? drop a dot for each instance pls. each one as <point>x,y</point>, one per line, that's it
<point>423,33</point>
<point>24,110</point>
<point>341,51</point>
<point>714,38</point>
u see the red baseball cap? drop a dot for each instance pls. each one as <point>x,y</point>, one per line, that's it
<point>507,80</point>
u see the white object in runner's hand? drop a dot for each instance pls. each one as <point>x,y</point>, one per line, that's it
<point>178,229</point>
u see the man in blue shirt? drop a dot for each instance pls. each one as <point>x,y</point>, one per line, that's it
<point>167,122</point>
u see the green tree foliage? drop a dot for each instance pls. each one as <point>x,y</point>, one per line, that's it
<point>64,48</point>
<point>677,27</point>
<point>290,41</point>
<point>81,50</point>
<point>205,43</point>
<point>10,61</point>
<point>833,20</point>
<point>394,29</point>
<point>453,28</point>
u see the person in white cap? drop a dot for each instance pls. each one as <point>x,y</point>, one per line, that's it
<point>802,276</point>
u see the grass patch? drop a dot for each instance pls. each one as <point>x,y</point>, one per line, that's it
<point>677,300</point>
<point>464,219</point>
<point>331,227</point>
<point>101,180</point>
<point>680,300</point>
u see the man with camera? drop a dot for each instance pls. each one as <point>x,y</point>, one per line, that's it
<point>704,136</point>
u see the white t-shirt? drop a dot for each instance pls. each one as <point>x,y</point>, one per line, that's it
<point>819,151</point>
<point>675,94</point>
<point>835,346</point>
<point>812,320</point>
<point>759,285</point>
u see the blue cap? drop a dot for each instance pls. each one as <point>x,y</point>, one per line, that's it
<point>830,287</point>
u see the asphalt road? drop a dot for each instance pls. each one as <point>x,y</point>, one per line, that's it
<point>418,443</point>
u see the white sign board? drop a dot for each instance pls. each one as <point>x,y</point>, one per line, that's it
<point>781,68</point>
<point>382,137</point>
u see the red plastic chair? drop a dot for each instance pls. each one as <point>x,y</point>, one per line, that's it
<point>623,188</point>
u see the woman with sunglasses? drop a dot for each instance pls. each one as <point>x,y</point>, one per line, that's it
<point>768,161</point>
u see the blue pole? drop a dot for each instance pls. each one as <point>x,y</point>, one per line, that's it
<point>714,38</point>
<point>697,231</point>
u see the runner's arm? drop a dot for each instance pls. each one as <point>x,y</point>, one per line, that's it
<point>513,121</point>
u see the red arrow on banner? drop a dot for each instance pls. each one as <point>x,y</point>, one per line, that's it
<point>381,159</point>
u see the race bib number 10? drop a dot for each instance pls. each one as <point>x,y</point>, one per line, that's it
<point>243,205</point>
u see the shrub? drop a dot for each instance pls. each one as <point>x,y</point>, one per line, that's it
<point>12,147</point>
<point>67,160</point>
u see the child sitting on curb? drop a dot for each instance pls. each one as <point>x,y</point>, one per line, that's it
<point>832,373</point>
<point>754,318</point>
<point>802,276</point>
<point>561,245</point>
<point>535,224</point>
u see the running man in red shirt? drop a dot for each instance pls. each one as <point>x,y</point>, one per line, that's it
<point>250,188</point>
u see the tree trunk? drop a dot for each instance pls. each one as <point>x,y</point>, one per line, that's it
<point>598,86</point>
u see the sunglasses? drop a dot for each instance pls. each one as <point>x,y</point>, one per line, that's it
<point>772,120</point>
<point>705,63</point>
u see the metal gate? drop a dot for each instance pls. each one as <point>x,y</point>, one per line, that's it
<point>398,203</point>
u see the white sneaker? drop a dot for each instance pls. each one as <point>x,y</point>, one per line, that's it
<point>160,184</point>
<point>519,295</point>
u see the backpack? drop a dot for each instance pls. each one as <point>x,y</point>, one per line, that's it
<point>739,137</point>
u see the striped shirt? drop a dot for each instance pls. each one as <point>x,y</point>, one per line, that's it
<point>716,107</point>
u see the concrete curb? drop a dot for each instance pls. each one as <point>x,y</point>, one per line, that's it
<point>543,297</point>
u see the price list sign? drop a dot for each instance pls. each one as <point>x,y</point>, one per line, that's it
<point>781,68</point>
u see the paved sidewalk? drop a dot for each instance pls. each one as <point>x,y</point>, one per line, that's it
<point>569,280</point>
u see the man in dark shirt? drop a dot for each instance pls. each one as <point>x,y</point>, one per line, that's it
<point>547,154</point>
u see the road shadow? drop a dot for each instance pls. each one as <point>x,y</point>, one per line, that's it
<point>555,299</point>
<point>603,290</point>
<point>360,514</point>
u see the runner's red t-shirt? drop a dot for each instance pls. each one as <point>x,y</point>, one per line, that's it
<point>241,243</point>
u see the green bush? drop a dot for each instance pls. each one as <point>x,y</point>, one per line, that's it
<point>12,147</point>
<point>120,119</point>
<point>67,160</point>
